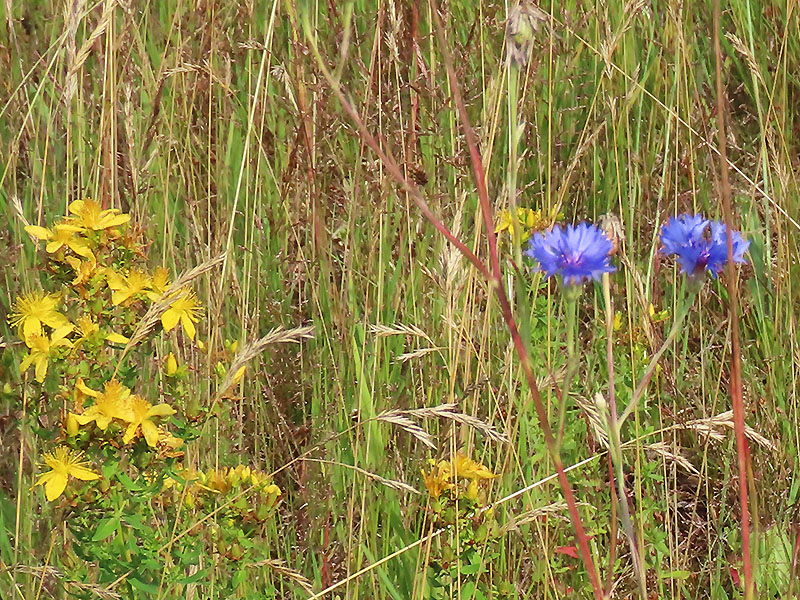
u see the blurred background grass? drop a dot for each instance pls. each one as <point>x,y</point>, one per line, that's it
<point>210,122</point>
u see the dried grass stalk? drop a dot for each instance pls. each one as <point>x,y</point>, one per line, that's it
<point>400,419</point>
<point>711,425</point>
<point>391,483</point>
<point>556,509</point>
<point>419,352</point>
<point>53,573</point>
<point>280,567</point>
<point>668,453</point>
<point>279,335</point>
<point>173,293</point>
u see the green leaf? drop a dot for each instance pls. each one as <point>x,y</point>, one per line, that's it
<point>199,576</point>
<point>105,528</point>
<point>142,586</point>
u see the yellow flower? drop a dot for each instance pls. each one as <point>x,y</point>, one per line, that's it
<point>158,283</point>
<point>90,215</point>
<point>185,309</point>
<point>65,463</point>
<point>465,467</point>
<point>438,479</point>
<point>84,269</point>
<point>126,287</point>
<point>34,309</point>
<point>504,222</point>
<point>86,327</point>
<point>40,346</point>
<point>61,235</point>
<point>171,365</point>
<point>143,412</point>
<point>113,403</point>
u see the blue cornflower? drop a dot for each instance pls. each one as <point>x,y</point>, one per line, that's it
<point>700,245</point>
<point>578,253</point>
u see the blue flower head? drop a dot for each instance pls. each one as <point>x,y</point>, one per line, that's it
<point>700,245</point>
<point>578,253</point>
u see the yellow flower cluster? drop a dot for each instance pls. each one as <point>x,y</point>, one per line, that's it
<point>213,483</point>
<point>528,220</point>
<point>444,476</point>
<point>133,412</point>
<point>95,246</point>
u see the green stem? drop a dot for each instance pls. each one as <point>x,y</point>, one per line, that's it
<point>694,288</point>
<point>571,295</point>
<point>615,445</point>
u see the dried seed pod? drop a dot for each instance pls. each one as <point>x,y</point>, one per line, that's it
<point>612,228</point>
<point>524,20</point>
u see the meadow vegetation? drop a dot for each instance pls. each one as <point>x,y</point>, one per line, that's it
<point>239,360</point>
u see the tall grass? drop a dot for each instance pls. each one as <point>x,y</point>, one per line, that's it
<point>211,122</point>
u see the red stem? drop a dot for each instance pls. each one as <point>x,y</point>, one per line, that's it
<point>732,285</point>
<point>505,307</point>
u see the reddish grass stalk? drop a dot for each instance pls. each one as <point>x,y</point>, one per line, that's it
<point>493,276</point>
<point>732,285</point>
<point>505,307</point>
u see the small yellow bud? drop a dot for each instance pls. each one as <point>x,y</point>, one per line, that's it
<point>72,425</point>
<point>171,365</point>
<point>239,374</point>
<point>201,345</point>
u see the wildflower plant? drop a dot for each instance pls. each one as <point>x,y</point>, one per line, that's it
<point>458,498</point>
<point>120,447</point>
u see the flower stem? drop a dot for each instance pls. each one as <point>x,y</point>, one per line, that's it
<point>688,302</point>
<point>615,445</point>
<point>571,295</point>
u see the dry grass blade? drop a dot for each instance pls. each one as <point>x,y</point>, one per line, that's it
<point>417,353</point>
<point>668,453</point>
<point>52,572</point>
<point>400,419</point>
<point>450,411</point>
<point>279,335</point>
<point>597,421</point>
<point>160,306</point>
<point>390,483</point>
<point>280,567</point>
<point>397,329</point>
<point>86,47</point>
<point>16,206</point>
<point>711,425</point>
<point>192,274</point>
<point>556,509</point>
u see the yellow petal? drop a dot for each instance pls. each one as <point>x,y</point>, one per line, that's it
<point>116,338</point>
<point>172,365</point>
<point>82,473</point>
<point>130,432</point>
<point>55,486</point>
<point>169,319</point>
<point>150,432</point>
<point>86,389</point>
<point>54,246</point>
<point>62,332</point>
<point>72,425</point>
<point>76,207</point>
<point>41,368</point>
<point>160,410</point>
<point>41,233</point>
<point>26,363</point>
<point>117,220</point>
<point>188,326</point>
<point>31,326</point>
